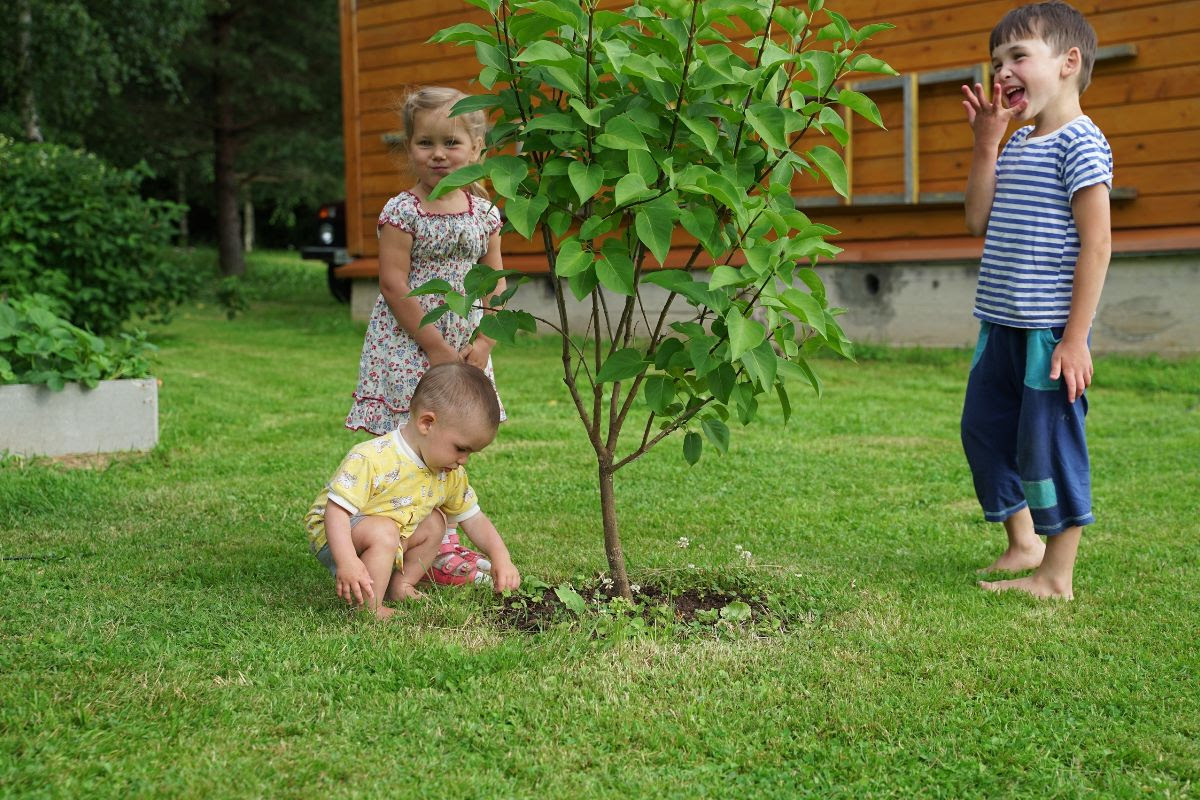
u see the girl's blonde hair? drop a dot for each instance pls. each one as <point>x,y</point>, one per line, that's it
<point>433,98</point>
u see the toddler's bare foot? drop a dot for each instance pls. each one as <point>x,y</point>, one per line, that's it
<point>383,612</point>
<point>404,591</point>
<point>1036,585</point>
<point>1017,558</point>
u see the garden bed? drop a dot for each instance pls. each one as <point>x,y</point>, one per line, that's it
<point>115,416</point>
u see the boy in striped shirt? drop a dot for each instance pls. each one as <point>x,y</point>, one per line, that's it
<point>1044,206</point>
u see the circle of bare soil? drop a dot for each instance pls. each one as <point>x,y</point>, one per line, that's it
<point>541,609</point>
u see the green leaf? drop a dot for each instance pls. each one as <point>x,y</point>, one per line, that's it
<point>761,364</point>
<point>737,611</point>
<point>434,315</point>
<point>659,392</point>
<point>703,128</point>
<point>717,433</point>
<point>630,188</point>
<point>721,381</point>
<point>591,116</point>
<point>770,122</point>
<point>654,224</point>
<point>823,66</point>
<point>501,326</point>
<point>571,599</point>
<point>621,365</point>
<point>831,164</point>
<point>560,78</point>
<point>551,122</point>
<point>583,284</point>
<point>492,56</point>
<point>806,308</point>
<point>673,280</point>
<point>523,213</point>
<point>475,102</point>
<point>506,174</point>
<point>866,63</point>
<point>800,370</point>
<point>862,105</point>
<point>586,179</point>
<point>703,361</point>
<point>615,270</point>
<point>725,275</point>
<point>460,177</point>
<point>693,445</point>
<point>621,134</point>
<point>566,13</point>
<point>667,350</point>
<point>701,222</point>
<point>435,286</point>
<point>744,334</point>
<point>463,32</point>
<point>546,52</point>
<point>597,225</point>
<point>572,259</point>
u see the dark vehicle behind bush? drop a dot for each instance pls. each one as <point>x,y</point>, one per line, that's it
<point>331,247</point>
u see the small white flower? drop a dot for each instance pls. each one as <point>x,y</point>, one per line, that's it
<point>746,554</point>
<point>684,541</point>
<point>737,547</point>
<point>633,587</point>
<point>691,566</point>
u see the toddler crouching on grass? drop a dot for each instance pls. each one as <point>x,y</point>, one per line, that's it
<point>380,522</point>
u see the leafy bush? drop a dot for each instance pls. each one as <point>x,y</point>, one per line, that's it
<point>75,228</point>
<point>38,346</point>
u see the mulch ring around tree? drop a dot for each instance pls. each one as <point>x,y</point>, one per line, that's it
<point>537,607</point>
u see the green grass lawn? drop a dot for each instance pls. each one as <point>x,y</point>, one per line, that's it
<point>178,640</point>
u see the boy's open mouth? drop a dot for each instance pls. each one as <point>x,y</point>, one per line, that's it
<point>1014,95</point>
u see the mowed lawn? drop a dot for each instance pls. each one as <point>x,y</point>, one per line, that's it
<point>164,631</point>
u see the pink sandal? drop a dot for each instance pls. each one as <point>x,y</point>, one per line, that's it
<point>455,565</point>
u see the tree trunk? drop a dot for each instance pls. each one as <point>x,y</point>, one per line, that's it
<point>181,198</point>
<point>229,235</point>
<point>248,225</point>
<point>29,113</point>
<point>612,536</point>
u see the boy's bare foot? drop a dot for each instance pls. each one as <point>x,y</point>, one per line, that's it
<point>383,612</point>
<point>1017,558</point>
<point>1036,585</point>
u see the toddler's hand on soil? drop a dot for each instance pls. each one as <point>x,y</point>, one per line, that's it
<point>505,576</point>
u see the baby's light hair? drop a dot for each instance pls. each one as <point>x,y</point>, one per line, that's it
<point>435,98</point>
<point>1057,24</point>
<point>457,390</point>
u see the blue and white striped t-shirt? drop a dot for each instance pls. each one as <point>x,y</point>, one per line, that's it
<point>1032,244</point>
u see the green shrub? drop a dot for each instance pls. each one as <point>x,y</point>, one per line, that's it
<point>38,346</point>
<point>75,228</point>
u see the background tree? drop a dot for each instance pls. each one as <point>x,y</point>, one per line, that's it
<point>267,75</point>
<point>227,102</point>
<point>62,60</point>
<point>639,125</point>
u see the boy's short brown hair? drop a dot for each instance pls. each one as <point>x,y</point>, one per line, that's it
<point>457,389</point>
<point>1055,23</point>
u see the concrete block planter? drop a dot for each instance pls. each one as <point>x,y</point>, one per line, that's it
<point>115,416</point>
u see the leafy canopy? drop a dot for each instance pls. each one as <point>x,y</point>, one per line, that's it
<point>644,142</point>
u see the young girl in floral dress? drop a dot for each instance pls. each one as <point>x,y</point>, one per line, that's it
<point>420,240</point>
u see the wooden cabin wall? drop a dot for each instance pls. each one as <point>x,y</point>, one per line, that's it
<point>1148,105</point>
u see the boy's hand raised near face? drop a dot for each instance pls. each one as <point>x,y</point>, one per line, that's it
<point>989,118</point>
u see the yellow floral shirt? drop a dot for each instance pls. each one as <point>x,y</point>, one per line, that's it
<point>383,477</point>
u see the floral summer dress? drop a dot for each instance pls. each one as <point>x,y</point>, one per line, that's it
<point>444,246</point>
